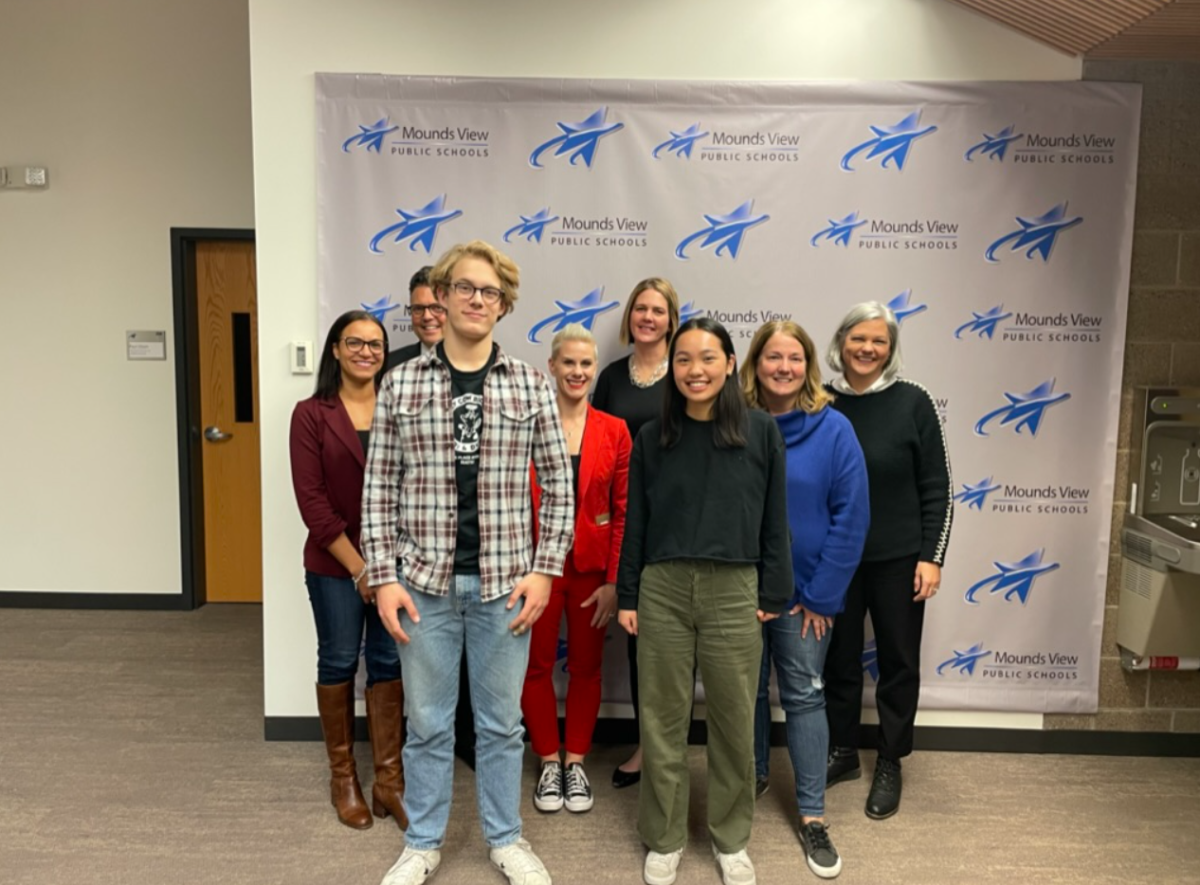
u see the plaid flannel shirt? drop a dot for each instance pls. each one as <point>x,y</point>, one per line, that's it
<point>410,497</point>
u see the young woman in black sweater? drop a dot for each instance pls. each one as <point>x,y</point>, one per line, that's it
<point>706,559</point>
<point>908,469</point>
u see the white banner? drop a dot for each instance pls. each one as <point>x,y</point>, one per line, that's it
<point>995,218</point>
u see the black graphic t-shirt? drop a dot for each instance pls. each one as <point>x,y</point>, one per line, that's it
<point>466,393</point>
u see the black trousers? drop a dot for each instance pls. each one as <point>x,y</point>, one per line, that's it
<point>885,589</point>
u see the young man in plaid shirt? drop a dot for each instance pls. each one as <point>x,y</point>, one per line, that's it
<point>447,537</point>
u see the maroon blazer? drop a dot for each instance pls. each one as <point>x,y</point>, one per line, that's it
<point>327,475</point>
<point>603,491</point>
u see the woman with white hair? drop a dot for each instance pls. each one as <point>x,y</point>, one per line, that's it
<point>911,497</point>
<point>599,446</point>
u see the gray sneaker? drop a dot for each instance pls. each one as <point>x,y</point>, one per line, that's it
<point>822,857</point>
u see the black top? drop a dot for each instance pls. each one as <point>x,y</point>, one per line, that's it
<point>401,355</point>
<point>364,437</point>
<point>575,462</point>
<point>697,501</point>
<point>623,399</point>
<point>466,401</point>
<point>908,469</point>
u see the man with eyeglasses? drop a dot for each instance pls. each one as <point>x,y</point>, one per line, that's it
<point>447,536</point>
<point>427,317</point>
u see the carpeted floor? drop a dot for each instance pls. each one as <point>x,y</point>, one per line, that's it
<point>131,752</point>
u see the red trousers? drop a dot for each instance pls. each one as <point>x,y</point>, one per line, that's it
<point>585,651</point>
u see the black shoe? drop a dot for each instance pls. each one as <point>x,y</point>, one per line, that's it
<point>884,798</point>
<point>843,765</point>
<point>761,785</point>
<point>623,779</point>
<point>548,794</point>
<point>822,857</point>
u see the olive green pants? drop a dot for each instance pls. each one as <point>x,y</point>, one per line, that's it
<point>697,612</point>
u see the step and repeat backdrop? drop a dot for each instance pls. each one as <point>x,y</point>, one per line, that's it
<point>994,218</point>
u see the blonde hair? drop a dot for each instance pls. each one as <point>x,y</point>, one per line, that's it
<point>573,332</point>
<point>506,269</point>
<point>664,288</point>
<point>812,396</point>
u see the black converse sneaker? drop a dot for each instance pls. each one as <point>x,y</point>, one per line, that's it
<point>822,857</point>
<point>578,790</point>
<point>548,795</point>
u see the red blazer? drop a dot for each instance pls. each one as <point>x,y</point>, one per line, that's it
<point>603,490</point>
<point>327,475</point>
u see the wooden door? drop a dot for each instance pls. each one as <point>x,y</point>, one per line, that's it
<point>227,331</point>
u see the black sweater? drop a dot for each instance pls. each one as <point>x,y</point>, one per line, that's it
<point>908,468</point>
<point>621,398</point>
<point>696,501</point>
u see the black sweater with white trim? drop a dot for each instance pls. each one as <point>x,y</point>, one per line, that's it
<point>908,468</point>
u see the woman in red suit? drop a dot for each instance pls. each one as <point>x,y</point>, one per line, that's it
<point>599,446</point>
<point>329,438</point>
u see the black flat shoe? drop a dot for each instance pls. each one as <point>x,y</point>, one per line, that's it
<point>843,765</point>
<point>623,779</point>
<point>884,799</point>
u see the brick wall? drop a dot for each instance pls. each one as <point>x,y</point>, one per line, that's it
<point>1162,348</point>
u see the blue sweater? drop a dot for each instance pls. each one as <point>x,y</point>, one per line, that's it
<point>828,506</point>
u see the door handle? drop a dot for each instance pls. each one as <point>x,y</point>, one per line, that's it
<point>215,434</point>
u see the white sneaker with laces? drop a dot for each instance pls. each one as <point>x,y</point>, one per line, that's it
<point>660,869</point>
<point>518,862</point>
<point>736,868</point>
<point>413,867</point>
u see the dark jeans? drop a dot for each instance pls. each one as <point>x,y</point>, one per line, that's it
<point>885,589</point>
<point>341,615</point>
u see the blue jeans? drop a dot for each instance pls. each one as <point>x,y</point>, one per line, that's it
<point>496,664</point>
<point>799,664</point>
<point>341,614</point>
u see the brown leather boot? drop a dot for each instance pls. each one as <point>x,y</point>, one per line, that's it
<point>336,705</point>
<point>385,707</point>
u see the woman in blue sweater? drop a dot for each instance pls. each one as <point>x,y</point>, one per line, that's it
<point>828,514</point>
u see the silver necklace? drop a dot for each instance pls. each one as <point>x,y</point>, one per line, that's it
<point>655,376</point>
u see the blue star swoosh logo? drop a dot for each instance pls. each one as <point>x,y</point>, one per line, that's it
<point>983,324</point>
<point>688,311</point>
<point>1014,578</point>
<point>902,308</point>
<point>726,232</point>
<point>681,143</point>
<point>993,146</point>
<point>1036,235</point>
<point>419,226</point>
<point>964,661</point>
<point>379,309</point>
<point>584,311</point>
<point>1024,410</point>
<point>891,143</point>
<point>578,140</point>
<point>370,137</point>
<point>839,230</point>
<point>975,496</point>
<point>532,226</point>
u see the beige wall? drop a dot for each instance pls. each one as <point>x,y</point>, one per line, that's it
<point>702,39</point>
<point>141,111</point>
<point>1162,348</point>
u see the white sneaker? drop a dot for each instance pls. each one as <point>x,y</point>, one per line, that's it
<point>413,867</point>
<point>736,868</point>
<point>660,869</point>
<point>518,862</point>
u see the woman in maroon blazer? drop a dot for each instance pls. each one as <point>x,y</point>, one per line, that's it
<point>330,433</point>
<point>599,446</point>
